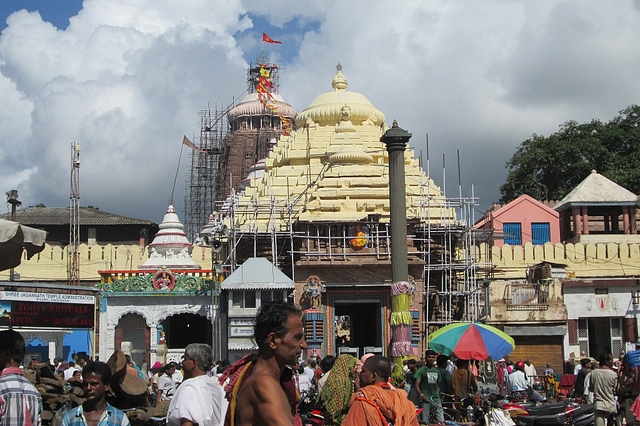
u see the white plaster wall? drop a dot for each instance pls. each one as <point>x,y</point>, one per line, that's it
<point>153,309</point>
<point>582,302</point>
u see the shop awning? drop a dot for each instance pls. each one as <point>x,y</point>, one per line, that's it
<point>16,238</point>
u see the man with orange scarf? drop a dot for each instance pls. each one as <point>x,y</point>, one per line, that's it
<point>261,390</point>
<point>378,403</point>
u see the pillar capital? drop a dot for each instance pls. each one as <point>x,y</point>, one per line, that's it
<point>396,138</point>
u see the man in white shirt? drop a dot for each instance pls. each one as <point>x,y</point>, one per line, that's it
<point>309,372</point>
<point>530,371</point>
<point>603,384</point>
<point>68,373</point>
<point>587,396</point>
<point>166,384</point>
<point>198,400</point>
<point>177,377</point>
<point>304,384</point>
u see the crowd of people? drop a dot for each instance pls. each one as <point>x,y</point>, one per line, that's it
<point>268,388</point>
<point>263,389</point>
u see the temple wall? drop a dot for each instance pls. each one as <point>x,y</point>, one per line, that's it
<point>509,262</point>
<point>51,263</point>
<point>581,260</point>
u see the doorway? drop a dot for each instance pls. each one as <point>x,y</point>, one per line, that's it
<point>133,328</point>
<point>183,329</point>
<point>358,327</point>
<point>605,335</point>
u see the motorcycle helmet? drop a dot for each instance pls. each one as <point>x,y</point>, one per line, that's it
<point>519,365</point>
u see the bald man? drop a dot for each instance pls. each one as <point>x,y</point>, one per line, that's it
<point>377,403</point>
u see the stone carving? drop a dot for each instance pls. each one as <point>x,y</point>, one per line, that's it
<point>149,283</point>
<point>164,280</point>
<point>313,289</point>
<point>371,121</point>
<point>345,113</point>
<point>345,124</point>
<point>154,314</point>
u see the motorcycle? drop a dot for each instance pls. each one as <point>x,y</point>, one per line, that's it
<point>558,414</point>
<point>309,414</point>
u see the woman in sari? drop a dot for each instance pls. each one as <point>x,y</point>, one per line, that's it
<point>336,393</point>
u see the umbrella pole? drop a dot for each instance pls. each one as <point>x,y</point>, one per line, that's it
<point>12,198</point>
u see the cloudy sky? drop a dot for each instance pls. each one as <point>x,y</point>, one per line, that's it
<point>126,79</point>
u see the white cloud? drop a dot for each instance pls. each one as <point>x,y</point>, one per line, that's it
<point>127,78</point>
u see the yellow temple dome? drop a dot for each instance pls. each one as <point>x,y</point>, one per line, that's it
<point>326,109</point>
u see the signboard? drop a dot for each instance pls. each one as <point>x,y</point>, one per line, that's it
<point>241,322</point>
<point>46,310</point>
<point>241,331</point>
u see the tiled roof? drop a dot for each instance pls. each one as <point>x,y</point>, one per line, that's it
<point>60,216</point>
<point>597,190</point>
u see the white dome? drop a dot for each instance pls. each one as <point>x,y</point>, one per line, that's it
<point>251,106</point>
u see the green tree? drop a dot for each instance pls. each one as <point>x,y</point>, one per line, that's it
<point>547,168</point>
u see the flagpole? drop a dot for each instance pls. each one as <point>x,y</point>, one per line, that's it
<point>176,178</point>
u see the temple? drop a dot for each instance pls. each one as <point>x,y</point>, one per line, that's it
<point>319,210</point>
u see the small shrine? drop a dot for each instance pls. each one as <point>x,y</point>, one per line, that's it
<point>166,303</point>
<point>598,210</point>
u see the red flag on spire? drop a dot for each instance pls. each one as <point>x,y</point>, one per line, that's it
<point>268,39</point>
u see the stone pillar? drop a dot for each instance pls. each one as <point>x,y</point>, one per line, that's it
<point>577,222</point>
<point>585,220</point>
<point>626,220</point>
<point>52,350</point>
<point>396,141</point>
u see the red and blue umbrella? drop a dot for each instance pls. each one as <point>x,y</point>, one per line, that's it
<point>468,340</point>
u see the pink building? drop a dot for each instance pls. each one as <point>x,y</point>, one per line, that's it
<point>524,220</point>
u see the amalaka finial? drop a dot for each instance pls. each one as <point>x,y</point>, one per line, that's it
<point>339,82</point>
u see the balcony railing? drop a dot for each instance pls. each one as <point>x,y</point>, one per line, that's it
<point>527,296</point>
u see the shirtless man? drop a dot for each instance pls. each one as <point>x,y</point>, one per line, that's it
<point>279,334</point>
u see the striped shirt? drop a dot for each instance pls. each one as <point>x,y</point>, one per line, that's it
<point>19,399</point>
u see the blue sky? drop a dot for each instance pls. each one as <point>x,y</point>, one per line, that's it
<point>57,12</point>
<point>126,80</point>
